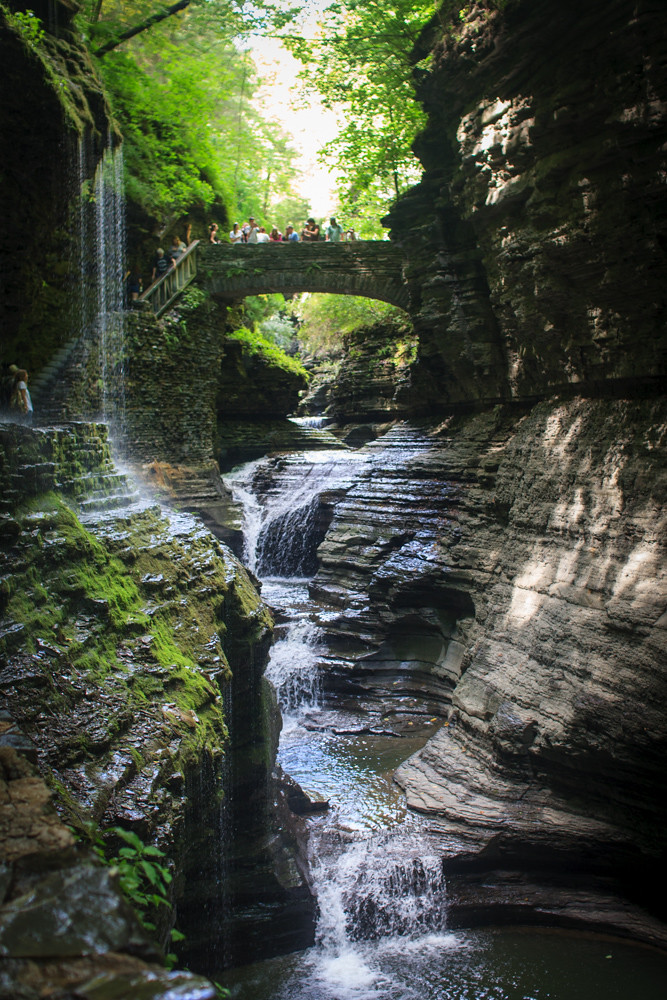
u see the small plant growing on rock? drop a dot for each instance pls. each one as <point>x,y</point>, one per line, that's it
<point>141,875</point>
<point>29,25</point>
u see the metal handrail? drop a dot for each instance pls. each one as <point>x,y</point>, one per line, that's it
<point>166,289</point>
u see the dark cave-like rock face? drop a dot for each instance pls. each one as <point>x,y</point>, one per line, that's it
<point>538,237</point>
<point>55,121</point>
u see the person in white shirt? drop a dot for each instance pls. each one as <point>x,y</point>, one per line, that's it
<point>250,231</point>
<point>21,401</point>
<point>262,235</point>
<point>334,231</point>
<point>236,235</point>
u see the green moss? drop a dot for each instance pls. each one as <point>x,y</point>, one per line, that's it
<point>256,346</point>
<point>145,637</point>
<point>74,814</point>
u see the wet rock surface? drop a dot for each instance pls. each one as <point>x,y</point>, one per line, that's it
<point>124,629</point>
<point>507,570</point>
<point>65,928</point>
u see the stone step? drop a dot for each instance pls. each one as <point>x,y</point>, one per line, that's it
<point>108,502</point>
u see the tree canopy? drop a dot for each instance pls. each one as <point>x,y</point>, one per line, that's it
<point>359,63</point>
<point>182,89</point>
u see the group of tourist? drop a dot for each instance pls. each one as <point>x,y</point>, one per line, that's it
<point>252,232</point>
<point>166,259</point>
<point>16,399</point>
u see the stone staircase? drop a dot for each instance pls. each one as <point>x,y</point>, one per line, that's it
<point>52,387</point>
<point>74,459</point>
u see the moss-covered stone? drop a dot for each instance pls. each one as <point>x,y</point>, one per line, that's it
<point>120,638</point>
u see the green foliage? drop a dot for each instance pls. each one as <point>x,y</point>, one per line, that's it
<point>192,298</point>
<point>361,65</point>
<point>257,309</point>
<point>255,345</point>
<point>280,329</point>
<point>169,159</point>
<point>325,319</point>
<point>183,94</point>
<point>142,876</point>
<point>29,25</point>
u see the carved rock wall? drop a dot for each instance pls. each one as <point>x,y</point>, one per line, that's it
<point>512,566</point>
<point>538,237</point>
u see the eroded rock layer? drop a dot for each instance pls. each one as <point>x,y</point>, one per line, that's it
<point>132,646</point>
<point>512,566</point>
<point>537,238</point>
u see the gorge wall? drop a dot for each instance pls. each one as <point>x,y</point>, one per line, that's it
<point>538,237</point>
<point>510,565</point>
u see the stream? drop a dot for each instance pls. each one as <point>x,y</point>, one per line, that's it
<point>375,869</point>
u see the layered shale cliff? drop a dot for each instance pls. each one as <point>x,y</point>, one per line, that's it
<point>538,235</point>
<point>509,566</point>
<point>130,638</point>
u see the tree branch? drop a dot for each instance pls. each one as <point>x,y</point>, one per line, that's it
<point>142,26</point>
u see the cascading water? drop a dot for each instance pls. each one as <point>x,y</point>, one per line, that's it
<point>110,252</point>
<point>376,871</point>
<point>362,904</point>
<point>97,293</point>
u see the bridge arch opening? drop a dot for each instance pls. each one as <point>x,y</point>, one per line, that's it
<point>320,323</point>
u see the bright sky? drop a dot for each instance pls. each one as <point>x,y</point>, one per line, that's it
<point>310,127</point>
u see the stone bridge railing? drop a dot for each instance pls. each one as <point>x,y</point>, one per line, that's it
<point>371,268</point>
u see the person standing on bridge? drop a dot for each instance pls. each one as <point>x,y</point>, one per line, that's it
<point>250,230</point>
<point>290,235</point>
<point>333,231</point>
<point>311,232</point>
<point>236,235</point>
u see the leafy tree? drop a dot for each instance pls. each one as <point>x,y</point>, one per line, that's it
<point>183,94</point>
<point>325,319</point>
<point>360,64</point>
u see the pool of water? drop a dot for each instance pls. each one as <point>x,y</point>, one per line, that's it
<point>354,772</point>
<point>481,965</point>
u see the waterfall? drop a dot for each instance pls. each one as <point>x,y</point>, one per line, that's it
<point>381,895</point>
<point>293,666</point>
<point>286,506</point>
<point>315,422</point>
<point>94,355</point>
<point>287,544</point>
<point>362,901</point>
<point>285,502</point>
<point>377,875</point>
<point>110,251</point>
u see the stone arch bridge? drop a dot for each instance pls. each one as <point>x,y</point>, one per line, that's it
<point>371,268</point>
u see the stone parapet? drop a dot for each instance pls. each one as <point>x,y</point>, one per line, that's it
<point>371,268</point>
